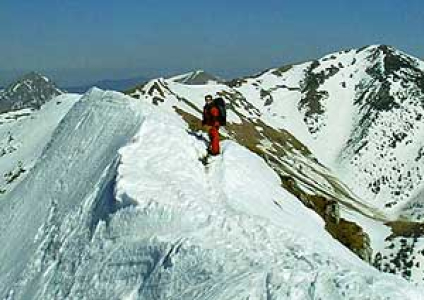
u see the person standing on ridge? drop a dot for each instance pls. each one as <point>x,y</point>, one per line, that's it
<point>211,122</point>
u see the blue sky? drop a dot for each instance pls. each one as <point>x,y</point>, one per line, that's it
<point>78,41</point>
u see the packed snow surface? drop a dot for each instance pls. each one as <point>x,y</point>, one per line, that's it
<point>120,207</point>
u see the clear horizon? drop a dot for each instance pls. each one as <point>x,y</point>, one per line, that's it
<point>80,42</point>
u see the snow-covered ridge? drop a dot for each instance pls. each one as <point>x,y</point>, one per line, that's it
<point>241,232</point>
<point>340,107</point>
<point>125,210</point>
<point>359,113</point>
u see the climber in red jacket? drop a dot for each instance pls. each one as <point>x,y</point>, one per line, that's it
<point>211,123</point>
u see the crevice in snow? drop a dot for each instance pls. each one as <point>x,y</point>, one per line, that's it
<point>105,203</point>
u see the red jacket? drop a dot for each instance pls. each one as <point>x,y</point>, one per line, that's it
<point>210,115</point>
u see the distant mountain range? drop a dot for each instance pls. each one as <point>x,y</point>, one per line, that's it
<point>108,84</point>
<point>198,77</point>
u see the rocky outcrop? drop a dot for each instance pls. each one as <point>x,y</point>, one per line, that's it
<point>403,250</point>
<point>348,233</point>
<point>30,91</point>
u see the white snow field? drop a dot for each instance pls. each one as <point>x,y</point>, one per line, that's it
<point>120,207</point>
<point>23,136</point>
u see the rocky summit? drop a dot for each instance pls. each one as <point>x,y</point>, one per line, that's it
<point>30,91</point>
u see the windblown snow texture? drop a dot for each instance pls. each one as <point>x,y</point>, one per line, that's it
<point>61,195</point>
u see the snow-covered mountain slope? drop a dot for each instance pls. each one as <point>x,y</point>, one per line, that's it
<point>301,173</point>
<point>30,91</point>
<point>151,222</point>
<point>247,128</point>
<point>360,112</point>
<point>24,134</point>
<point>328,128</point>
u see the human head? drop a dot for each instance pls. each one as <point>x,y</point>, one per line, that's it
<point>208,98</point>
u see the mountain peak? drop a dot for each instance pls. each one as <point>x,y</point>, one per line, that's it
<point>197,77</point>
<point>393,58</point>
<point>29,91</point>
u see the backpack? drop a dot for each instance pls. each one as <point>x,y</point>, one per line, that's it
<point>220,104</point>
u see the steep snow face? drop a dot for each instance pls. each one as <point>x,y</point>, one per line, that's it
<point>23,136</point>
<point>30,91</point>
<point>61,194</point>
<point>383,153</point>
